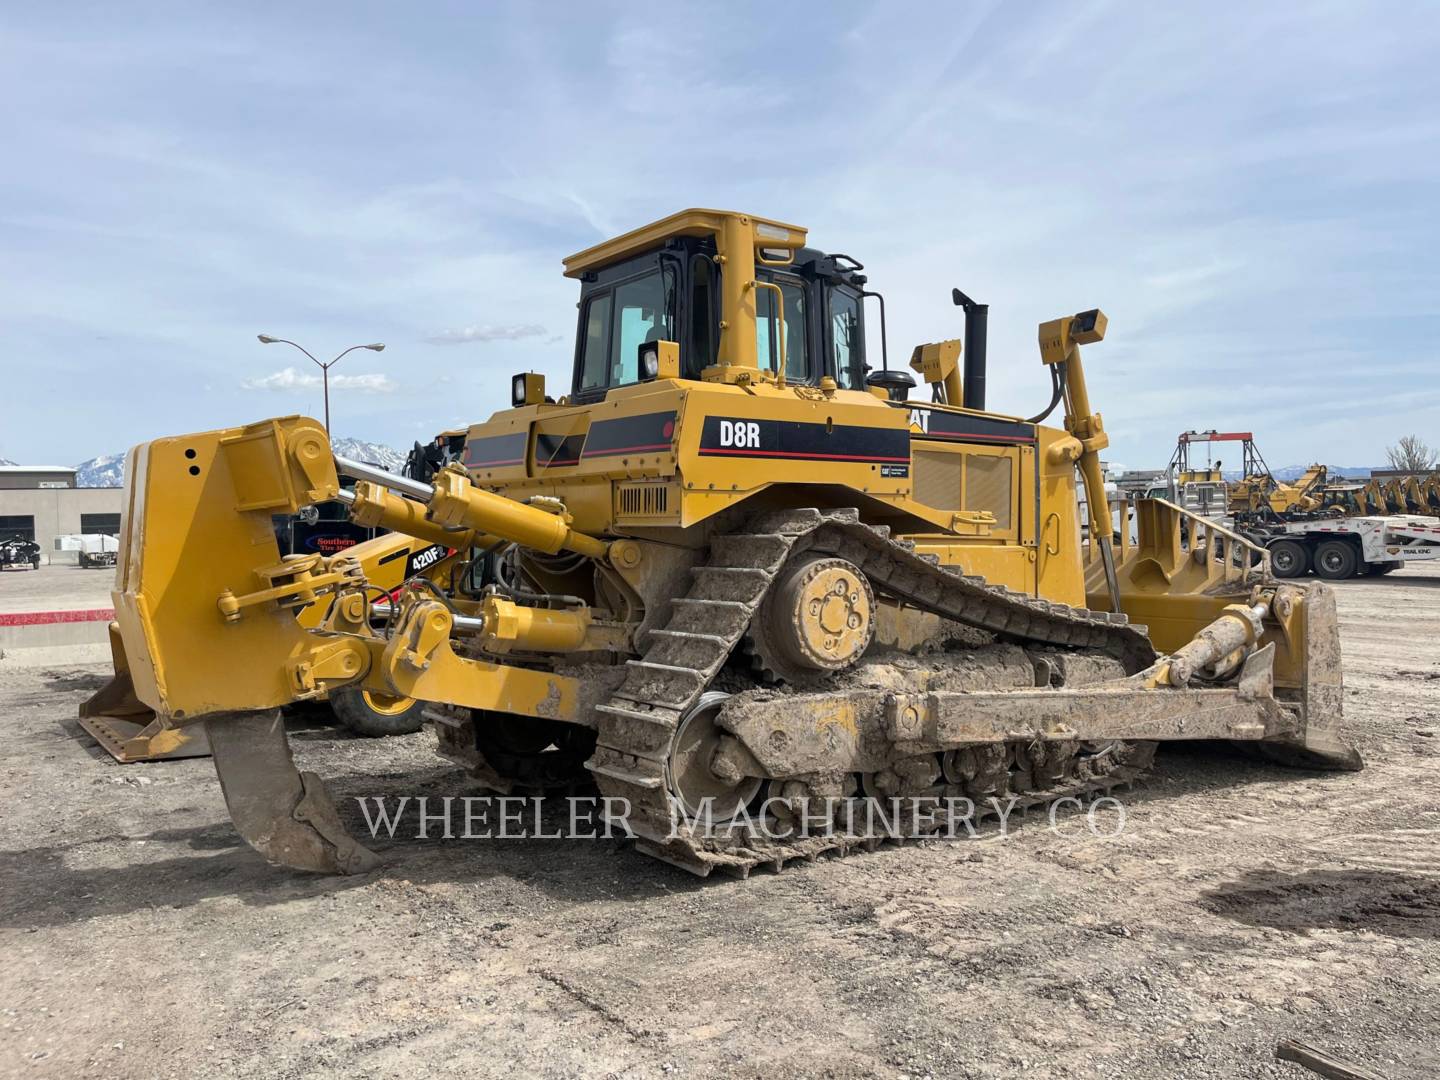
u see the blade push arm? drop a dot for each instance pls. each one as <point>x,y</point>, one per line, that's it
<point>1060,341</point>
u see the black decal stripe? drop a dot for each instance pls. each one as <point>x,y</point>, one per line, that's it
<point>724,436</point>
<point>397,554</point>
<point>495,450</point>
<point>957,427</point>
<point>997,440</point>
<point>650,433</point>
<point>731,452</point>
<point>552,451</point>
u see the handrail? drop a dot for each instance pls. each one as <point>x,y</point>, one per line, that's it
<point>1226,554</point>
<point>1212,524</point>
<point>779,322</point>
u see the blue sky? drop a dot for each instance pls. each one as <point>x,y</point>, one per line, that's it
<point>1248,191</point>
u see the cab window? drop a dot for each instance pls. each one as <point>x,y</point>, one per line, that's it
<point>767,333</point>
<point>597,340</point>
<point>700,350</point>
<point>616,323</point>
<point>640,316</point>
<point>846,340</point>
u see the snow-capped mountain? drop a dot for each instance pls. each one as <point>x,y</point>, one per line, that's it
<point>108,470</point>
<point>1350,472</point>
<point>385,457</point>
<point>7,461</point>
<point>1288,473</point>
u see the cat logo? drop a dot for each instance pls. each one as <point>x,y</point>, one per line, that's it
<point>740,434</point>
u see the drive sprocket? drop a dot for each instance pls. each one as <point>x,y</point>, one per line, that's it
<point>819,618</point>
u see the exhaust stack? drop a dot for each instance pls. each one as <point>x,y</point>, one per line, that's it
<point>977,319</point>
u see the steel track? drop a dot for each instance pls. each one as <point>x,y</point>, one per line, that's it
<point>637,723</point>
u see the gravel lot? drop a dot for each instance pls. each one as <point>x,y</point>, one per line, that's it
<point>1242,903</point>
<point>55,587</point>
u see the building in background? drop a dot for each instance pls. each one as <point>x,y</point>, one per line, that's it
<point>41,502</point>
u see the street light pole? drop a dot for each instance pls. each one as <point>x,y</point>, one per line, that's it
<point>266,339</point>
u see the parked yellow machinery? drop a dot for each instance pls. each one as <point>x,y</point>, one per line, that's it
<point>1393,495</point>
<point>1261,495</point>
<point>688,579</point>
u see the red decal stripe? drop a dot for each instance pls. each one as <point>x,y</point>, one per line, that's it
<point>45,618</point>
<point>798,454</point>
<point>628,450</point>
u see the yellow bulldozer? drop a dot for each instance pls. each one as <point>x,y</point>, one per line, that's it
<point>737,576</point>
<point>1260,496</point>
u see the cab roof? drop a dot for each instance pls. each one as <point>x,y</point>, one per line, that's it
<point>693,222</point>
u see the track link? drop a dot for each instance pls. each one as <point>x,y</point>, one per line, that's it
<point>637,722</point>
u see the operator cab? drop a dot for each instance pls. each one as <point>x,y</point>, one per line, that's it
<point>672,293</point>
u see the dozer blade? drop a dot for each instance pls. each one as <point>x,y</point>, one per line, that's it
<point>117,698</point>
<point>126,727</point>
<point>285,815</point>
<point>1319,745</point>
<point>132,740</point>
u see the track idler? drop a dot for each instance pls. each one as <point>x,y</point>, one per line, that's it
<point>285,815</point>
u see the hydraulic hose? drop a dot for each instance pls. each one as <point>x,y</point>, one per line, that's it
<point>1057,381</point>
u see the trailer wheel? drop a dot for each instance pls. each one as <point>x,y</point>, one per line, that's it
<point>1288,559</point>
<point>376,715</point>
<point>1336,560</point>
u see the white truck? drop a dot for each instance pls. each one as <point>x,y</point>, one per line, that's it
<point>1342,547</point>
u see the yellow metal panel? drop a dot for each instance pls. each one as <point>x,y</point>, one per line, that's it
<point>989,485</point>
<point>1060,571</point>
<point>748,472</point>
<point>475,684</point>
<point>188,541</point>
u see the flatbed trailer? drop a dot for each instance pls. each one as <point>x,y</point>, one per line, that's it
<point>1335,548</point>
<point>93,549</point>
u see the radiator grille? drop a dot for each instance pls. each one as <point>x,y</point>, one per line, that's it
<point>988,486</point>
<point>643,500</point>
<point>937,479</point>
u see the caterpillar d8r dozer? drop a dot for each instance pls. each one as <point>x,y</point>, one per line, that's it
<point>734,576</point>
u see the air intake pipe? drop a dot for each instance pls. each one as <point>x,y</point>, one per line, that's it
<point>977,319</point>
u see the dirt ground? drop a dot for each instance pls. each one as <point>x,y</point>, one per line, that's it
<point>55,587</point>
<point>1241,904</point>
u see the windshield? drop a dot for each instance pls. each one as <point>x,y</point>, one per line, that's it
<point>767,333</point>
<point>847,340</point>
<point>616,323</point>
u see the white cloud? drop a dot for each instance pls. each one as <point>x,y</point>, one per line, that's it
<point>1252,207</point>
<point>468,334</point>
<point>291,379</point>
